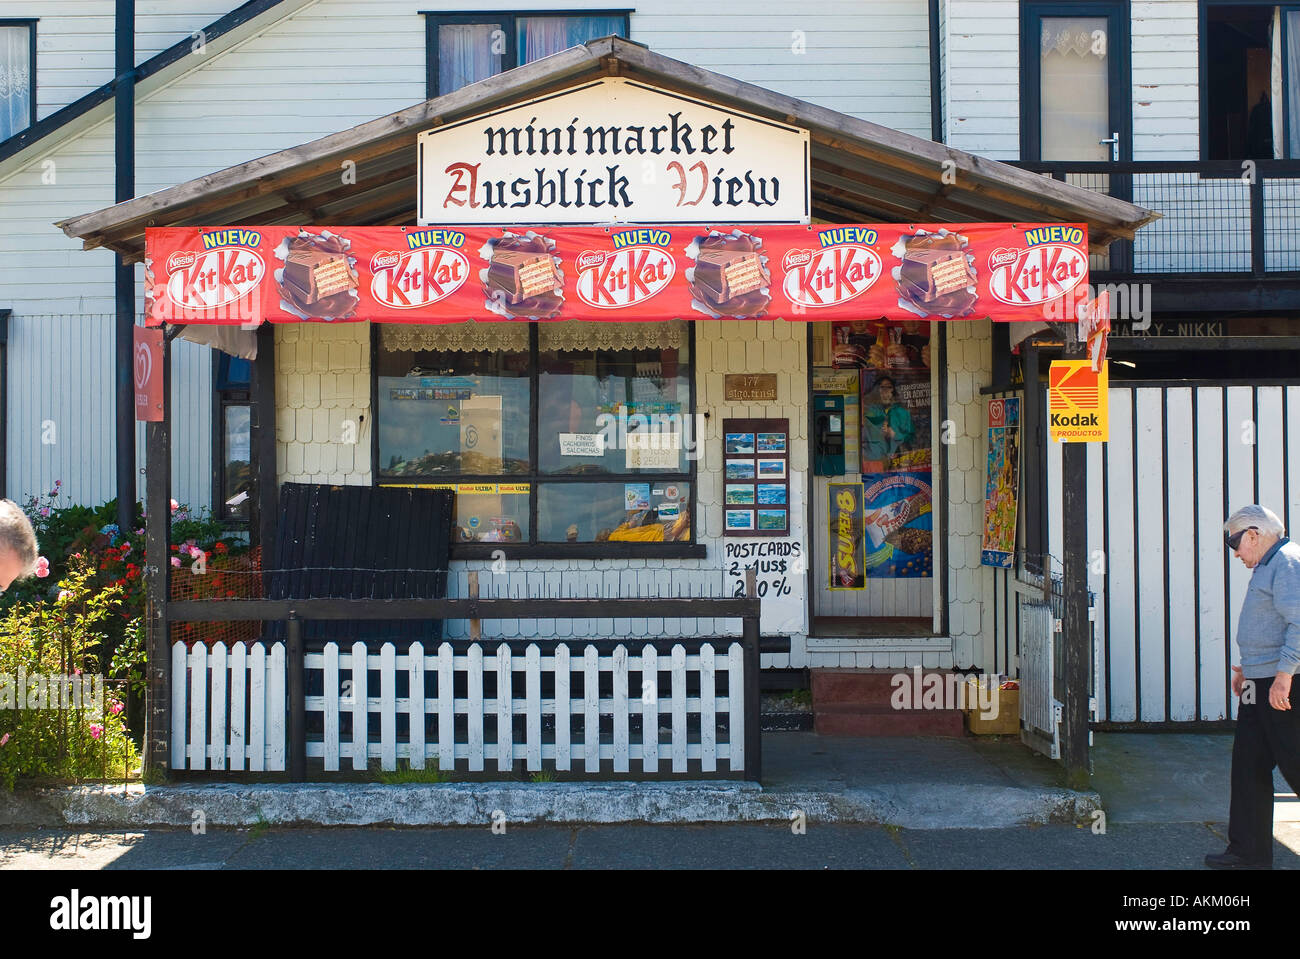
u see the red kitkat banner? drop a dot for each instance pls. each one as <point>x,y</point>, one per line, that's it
<point>244,275</point>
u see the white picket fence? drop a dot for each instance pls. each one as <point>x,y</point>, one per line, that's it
<point>228,707</point>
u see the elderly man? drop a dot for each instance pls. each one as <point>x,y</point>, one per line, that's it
<point>18,550</point>
<point>1268,728</point>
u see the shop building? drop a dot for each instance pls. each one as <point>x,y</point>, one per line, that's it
<point>743,389</point>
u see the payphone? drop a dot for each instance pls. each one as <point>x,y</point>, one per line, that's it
<point>828,435</point>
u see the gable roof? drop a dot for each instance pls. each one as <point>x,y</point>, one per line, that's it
<point>97,106</point>
<point>861,171</point>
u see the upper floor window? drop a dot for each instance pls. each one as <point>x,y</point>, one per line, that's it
<point>17,76</point>
<point>234,436</point>
<point>464,48</point>
<point>1250,97</point>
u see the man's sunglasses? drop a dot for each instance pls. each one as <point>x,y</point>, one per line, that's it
<point>1234,540</point>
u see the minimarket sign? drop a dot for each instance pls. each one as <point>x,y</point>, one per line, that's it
<point>282,274</point>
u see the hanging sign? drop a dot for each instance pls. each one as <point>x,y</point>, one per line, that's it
<point>284,274</point>
<point>1002,485</point>
<point>1077,408</point>
<point>613,151</point>
<point>147,367</point>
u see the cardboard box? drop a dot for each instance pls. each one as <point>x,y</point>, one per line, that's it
<point>1007,721</point>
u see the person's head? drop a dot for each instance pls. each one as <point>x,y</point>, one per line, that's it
<point>1251,532</point>
<point>18,549</point>
<point>886,387</point>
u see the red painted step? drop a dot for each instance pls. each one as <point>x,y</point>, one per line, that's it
<point>857,702</point>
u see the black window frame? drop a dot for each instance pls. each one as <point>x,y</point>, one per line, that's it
<point>30,24</point>
<point>433,19</point>
<point>535,478</point>
<point>1203,75</point>
<point>222,397</point>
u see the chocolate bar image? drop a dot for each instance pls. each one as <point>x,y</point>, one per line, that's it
<point>930,274</point>
<point>728,273</point>
<point>521,274</point>
<point>316,276</point>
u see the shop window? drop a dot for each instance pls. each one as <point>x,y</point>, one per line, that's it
<point>1250,69</point>
<point>233,484</point>
<point>555,433</point>
<point>17,76</point>
<point>464,48</point>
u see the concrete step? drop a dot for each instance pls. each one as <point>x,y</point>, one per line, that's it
<point>839,719</point>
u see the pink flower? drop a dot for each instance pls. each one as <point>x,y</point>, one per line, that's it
<point>196,553</point>
<point>116,708</point>
<point>65,595</point>
<point>45,511</point>
<point>42,567</point>
<point>4,739</point>
<point>176,561</point>
<point>96,730</point>
<point>175,506</point>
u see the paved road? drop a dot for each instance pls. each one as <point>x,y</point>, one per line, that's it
<point>1124,846</point>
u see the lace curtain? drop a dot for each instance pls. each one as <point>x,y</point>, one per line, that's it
<point>15,80</point>
<point>473,336</point>
<point>1072,36</point>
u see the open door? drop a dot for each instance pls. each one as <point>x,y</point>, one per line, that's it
<point>873,516</point>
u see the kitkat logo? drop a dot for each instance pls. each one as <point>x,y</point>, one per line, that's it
<point>1038,274</point>
<point>829,276</point>
<point>612,279</point>
<point>212,278</point>
<point>410,279</point>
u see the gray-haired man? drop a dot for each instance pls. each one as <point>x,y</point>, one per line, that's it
<point>1268,728</point>
<point>18,549</point>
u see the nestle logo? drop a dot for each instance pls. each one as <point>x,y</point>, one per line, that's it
<point>797,258</point>
<point>590,259</point>
<point>384,260</point>
<point>179,261</point>
<point>1002,257</point>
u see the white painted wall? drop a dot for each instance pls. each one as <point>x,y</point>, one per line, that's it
<point>982,57</point>
<point>74,39</point>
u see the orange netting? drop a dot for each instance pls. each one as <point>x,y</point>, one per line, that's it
<point>225,577</point>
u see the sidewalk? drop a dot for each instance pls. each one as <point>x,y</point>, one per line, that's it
<point>911,782</point>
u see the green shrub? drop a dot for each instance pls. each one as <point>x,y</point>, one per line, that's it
<point>62,741</point>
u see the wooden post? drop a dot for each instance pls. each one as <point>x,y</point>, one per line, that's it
<point>753,706</point>
<point>266,498</point>
<point>158,518</point>
<point>475,625</point>
<point>297,702</point>
<point>1076,643</point>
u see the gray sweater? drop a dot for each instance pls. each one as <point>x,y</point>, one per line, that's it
<point>1268,632</point>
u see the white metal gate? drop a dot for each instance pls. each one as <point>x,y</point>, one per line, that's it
<point>1180,459</point>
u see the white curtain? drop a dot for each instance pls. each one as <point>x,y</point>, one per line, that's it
<point>1293,81</point>
<point>541,36</point>
<point>15,80</point>
<point>467,53</point>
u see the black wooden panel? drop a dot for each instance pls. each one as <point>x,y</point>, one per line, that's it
<point>362,542</point>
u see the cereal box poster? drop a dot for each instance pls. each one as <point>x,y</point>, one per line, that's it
<point>1000,491</point>
<point>898,526</point>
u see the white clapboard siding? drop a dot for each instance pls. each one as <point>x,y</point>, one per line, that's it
<point>698,701</point>
<point>228,708</point>
<point>1179,460</point>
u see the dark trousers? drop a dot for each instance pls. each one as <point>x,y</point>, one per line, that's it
<point>1266,737</point>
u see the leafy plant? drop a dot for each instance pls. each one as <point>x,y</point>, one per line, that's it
<point>64,738</point>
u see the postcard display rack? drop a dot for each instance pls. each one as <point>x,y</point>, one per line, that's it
<point>756,477</point>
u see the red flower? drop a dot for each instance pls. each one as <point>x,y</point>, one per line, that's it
<point>222,548</point>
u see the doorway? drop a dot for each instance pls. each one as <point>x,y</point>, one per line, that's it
<point>873,520</point>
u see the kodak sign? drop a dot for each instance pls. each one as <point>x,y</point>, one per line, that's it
<point>1077,410</point>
